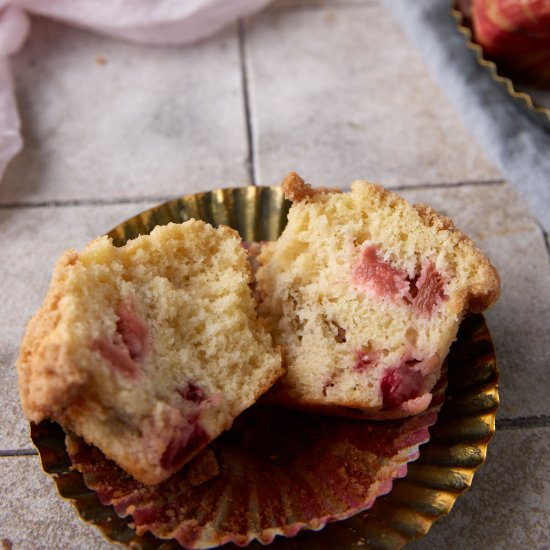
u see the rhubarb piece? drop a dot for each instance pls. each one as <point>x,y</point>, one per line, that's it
<point>429,291</point>
<point>395,278</point>
<point>399,385</point>
<point>125,349</point>
<point>378,276</point>
<point>192,392</point>
<point>149,351</point>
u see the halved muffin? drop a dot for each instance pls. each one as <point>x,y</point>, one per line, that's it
<point>150,350</point>
<point>365,293</point>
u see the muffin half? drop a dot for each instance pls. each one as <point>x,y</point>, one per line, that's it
<point>365,293</point>
<point>150,350</point>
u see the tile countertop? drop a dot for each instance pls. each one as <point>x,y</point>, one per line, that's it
<point>112,128</point>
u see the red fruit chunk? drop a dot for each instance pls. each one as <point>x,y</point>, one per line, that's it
<point>401,384</point>
<point>134,331</point>
<point>381,278</point>
<point>428,290</point>
<point>190,438</point>
<point>192,392</point>
<point>128,345</point>
<point>378,276</point>
<point>117,355</point>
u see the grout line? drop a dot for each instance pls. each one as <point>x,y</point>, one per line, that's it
<point>545,238</point>
<point>86,202</point>
<point>19,452</point>
<point>445,185</point>
<point>521,422</point>
<point>250,161</point>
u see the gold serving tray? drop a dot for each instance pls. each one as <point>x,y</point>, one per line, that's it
<point>537,113</point>
<point>446,465</point>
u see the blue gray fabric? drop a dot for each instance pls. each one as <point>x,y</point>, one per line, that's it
<point>511,140</point>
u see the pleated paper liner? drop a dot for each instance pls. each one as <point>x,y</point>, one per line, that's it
<point>538,113</point>
<point>307,495</point>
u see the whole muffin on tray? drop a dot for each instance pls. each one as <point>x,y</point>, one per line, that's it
<point>365,293</point>
<point>150,350</point>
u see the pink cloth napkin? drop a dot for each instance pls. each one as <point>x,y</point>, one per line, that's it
<point>144,21</point>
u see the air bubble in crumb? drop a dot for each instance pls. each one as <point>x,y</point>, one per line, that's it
<point>340,336</point>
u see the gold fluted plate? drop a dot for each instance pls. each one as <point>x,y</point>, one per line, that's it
<point>446,465</point>
<point>537,113</point>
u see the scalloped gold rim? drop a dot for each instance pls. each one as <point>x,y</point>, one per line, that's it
<point>523,98</point>
<point>446,466</point>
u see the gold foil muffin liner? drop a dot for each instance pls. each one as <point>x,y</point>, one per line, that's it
<point>277,472</point>
<point>537,113</point>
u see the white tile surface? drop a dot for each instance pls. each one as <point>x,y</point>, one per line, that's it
<point>149,121</point>
<point>507,506</point>
<point>340,95</point>
<point>498,221</point>
<point>34,517</point>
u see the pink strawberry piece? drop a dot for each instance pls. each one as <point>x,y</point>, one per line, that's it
<point>378,276</point>
<point>128,345</point>
<point>192,392</point>
<point>116,354</point>
<point>190,437</point>
<point>134,331</point>
<point>428,291</point>
<point>401,384</point>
